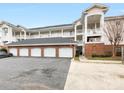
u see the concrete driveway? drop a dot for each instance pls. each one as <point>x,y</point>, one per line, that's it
<point>33,73</point>
<point>95,76</point>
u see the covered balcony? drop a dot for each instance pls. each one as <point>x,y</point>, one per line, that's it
<point>68,33</point>
<point>93,39</point>
<point>80,40</point>
<point>94,26</point>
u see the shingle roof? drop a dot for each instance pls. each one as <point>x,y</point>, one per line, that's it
<point>104,7</point>
<point>50,26</point>
<point>55,27</point>
<point>44,41</point>
<point>114,17</point>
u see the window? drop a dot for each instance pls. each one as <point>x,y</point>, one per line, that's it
<point>118,51</point>
<point>5,30</point>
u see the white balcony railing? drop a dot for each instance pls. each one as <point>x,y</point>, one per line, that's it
<point>80,41</point>
<point>69,34</point>
<point>48,35</point>
<point>44,35</point>
<point>80,31</point>
<point>56,34</point>
<point>93,31</point>
<point>19,37</point>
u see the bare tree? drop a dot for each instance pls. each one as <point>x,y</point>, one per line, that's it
<point>114,30</point>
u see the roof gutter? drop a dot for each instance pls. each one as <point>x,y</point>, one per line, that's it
<point>44,44</point>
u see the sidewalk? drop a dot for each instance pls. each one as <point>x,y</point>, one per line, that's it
<point>94,76</point>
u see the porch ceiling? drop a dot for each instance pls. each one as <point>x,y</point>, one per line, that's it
<point>94,18</point>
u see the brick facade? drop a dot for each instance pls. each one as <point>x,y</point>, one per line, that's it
<point>98,49</point>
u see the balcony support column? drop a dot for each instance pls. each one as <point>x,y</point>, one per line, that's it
<point>49,33</point>
<point>85,28</point>
<point>75,32</point>
<point>95,27</point>
<point>20,35</point>
<point>24,34</point>
<point>29,35</point>
<point>39,34</point>
<point>102,26</point>
<point>62,32</point>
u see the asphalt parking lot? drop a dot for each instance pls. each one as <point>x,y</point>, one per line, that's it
<point>21,73</point>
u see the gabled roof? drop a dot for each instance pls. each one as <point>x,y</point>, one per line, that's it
<point>9,24</point>
<point>22,27</point>
<point>44,41</point>
<point>101,6</point>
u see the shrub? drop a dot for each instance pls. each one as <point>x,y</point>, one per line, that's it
<point>108,53</point>
<point>104,55</point>
<point>94,55</point>
<point>118,53</point>
<point>78,53</point>
<point>3,50</point>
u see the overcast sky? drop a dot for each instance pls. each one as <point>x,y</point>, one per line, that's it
<point>39,15</point>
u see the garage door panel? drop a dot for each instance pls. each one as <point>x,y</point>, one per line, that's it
<point>36,52</point>
<point>49,52</point>
<point>23,52</point>
<point>65,52</point>
<point>13,51</point>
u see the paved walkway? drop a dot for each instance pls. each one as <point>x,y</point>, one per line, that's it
<point>95,76</point>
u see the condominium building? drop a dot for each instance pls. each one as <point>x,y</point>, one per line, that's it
<point>86,32</point>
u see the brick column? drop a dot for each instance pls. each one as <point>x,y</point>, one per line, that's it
<point>42,52</point>
<point>57,52</point>
<point>29,52</point>
<point>17,51</point>
<point>74,50</point>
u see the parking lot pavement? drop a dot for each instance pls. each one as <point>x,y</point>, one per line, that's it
<point>33,73</point>
<point>95,76</point>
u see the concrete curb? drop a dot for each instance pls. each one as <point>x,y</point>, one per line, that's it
<point>100,61</point>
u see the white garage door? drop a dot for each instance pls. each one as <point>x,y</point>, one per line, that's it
<point>65,52</point>
<point>49,52</point>
<point>23,52</point>
<point>36,52</point>
<point>13,51</point>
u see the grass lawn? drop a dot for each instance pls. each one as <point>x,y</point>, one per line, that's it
<point>76,58</point>
<point>104,58</point>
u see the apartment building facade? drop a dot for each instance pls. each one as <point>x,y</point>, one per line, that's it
<point>87,31</point>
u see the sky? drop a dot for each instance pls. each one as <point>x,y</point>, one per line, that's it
<point>39,15</point>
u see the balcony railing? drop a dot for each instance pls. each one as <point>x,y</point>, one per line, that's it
<point>65,34</point>
<point>93,31</point>
<point>80,41</point>
<point>80,31</point>
<point>19,37</point>
<point>56,35</point>
<point>68,34</point>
